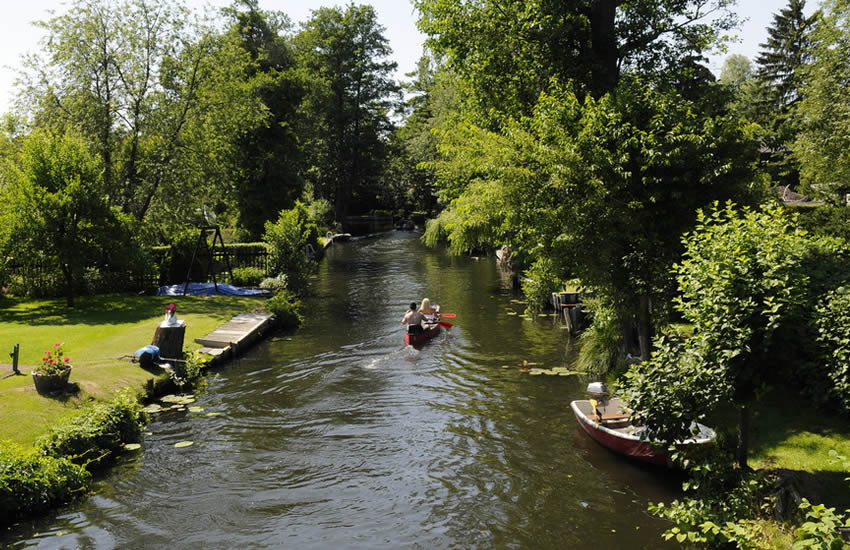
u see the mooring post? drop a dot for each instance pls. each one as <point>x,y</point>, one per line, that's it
<point>14,356</point>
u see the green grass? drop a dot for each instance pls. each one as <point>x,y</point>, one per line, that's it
<point>788,433</point>
<point>96,332</point>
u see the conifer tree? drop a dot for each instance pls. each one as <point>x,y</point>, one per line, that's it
<point>779,64</point>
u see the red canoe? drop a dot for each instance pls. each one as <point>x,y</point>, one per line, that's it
<point>419,338</point>
<point>611,426</point>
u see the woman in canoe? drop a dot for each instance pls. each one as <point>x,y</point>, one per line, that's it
<point>431,314</point>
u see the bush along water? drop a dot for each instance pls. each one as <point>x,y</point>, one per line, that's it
<point>286,309</point>
<point>58,469</point>
<point>32,483</point>
<point>98,434</point>
<point>185,374</point>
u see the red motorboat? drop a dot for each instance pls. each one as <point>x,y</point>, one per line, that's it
<point>608,421</point>
<point>420,337</point>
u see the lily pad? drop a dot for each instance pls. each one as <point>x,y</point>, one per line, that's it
<point>183,444</point>
<point>132,446</point>
<point>195,409</point>
<point>153,408</point>
<point>213,414</point>
<point>171,398</point>
<point>512,313</point>
<point>535,372</point>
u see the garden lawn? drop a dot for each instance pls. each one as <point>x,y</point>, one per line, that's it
<point>96,332</point>
<point>788,433</point>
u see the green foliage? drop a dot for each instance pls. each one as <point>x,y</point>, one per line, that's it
<point>275,284</point>
<point>747,281</point>
<point>247,276</point>
<point>185,374</point>
<point>721,506</point>
<point>97,433</point>
<point>286,308</point>
<point>832,320</point>
<point>161,98</point>
<point>269,155</point>
<point>508,53</point>
<point>601,344</point>
<point>823,144</point>
<point>320,212</point>
<point>539,283</point>
<point>288,239</point>
<point>31,483</point>
<point>781,63</point>
<point>821,530</point>
<point>343,55</point>
<point>604,189</point>
<point>54,209</point>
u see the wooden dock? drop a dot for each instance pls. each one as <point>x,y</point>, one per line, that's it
<point>235,335</point>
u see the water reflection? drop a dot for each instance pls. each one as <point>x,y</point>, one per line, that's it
<point>340,437</point>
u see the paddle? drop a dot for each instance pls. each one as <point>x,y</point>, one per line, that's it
<point>445,324</point>
<point>448,315</point>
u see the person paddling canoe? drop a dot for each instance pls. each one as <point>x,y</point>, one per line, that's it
<point>413,319</point>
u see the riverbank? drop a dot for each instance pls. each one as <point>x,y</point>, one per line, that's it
<point>96,333</point>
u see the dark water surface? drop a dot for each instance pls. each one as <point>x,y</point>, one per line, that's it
<point>338,436</point>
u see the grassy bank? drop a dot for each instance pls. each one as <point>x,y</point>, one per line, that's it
<point>96,332</point>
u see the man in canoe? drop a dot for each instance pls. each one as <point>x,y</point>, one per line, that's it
<point>413,319</point>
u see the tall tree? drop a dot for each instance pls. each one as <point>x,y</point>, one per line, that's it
<point>600,189</point>
<point>159,97</point>
<point>823,145</point>
<point>270,156</point>
<point>747,282</point>
<point>509,52</point>
<point>351,94</point>
<point>779,74</point>
<point>53,209</point>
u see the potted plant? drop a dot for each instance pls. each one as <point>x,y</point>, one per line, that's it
<point>170,315</point>
<point>53,373</point>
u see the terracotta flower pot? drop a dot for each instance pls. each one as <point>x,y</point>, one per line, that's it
<point>49,383</point>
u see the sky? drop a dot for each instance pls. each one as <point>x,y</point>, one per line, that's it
<point>18,36</point>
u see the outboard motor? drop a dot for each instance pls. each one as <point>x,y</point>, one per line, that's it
<point>598,391</point>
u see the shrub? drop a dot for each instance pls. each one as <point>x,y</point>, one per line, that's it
<point>724,508</point>
<point>601,344</point>
<point>286,308</point>
<point>187,372</point>
<point>31,483</point>
<point>541,281</point>
<point>288,239</point>
<point>833,324</point>
<point>247,276</point>
<point>275,284</point>
<point>98,433</point>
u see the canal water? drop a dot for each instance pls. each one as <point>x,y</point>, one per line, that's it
<point>339,436</point>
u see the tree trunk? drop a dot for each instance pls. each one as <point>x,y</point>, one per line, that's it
<point>644,328</point>
<point>603,36</point>
<point>743,436</point>
<point>69,284</point>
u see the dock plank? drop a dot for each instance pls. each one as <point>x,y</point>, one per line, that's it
<point>241,329</point>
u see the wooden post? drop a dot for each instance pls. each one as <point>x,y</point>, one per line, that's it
<point>15,353</point>
<point>169,340</point>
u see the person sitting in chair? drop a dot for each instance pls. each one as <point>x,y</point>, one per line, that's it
<point>413,319</point>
